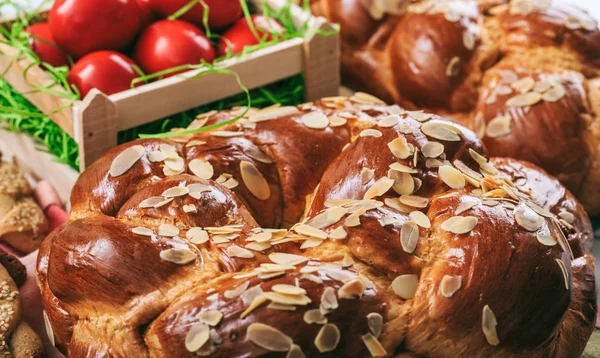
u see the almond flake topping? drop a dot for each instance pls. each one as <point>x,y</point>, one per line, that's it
<point>285,299</point>
<point>420,219</point>
<point>409,236</point>
<point>258,155</point>
<point>236,291</point>
<point>175,192</point>
<point>524,99</point>
<point>370,133</point>
<point>362,97</point>
<point>449,285</point>
<point>201,168</point>
<point>178,256</point>
<point>211,317</point>
<point>295,352</point>
<point>315,120</point>
<point>441,131</point>
<point>374,346</point>
<point>375,322</point>
<point>197,235</point>
<point>567,216</point>
<point>168,230</point>
<point>273,113</point>
<point>452,177</point>
<point>314,316</point>
<point>366,175</point>
<point>524,85</point>
<point>389,121</point>
<point>288,289</point>
<point>142,231</point>
<point>380,187</point>
<point>328,338</point>
<point>304,229</point>
<point>125,160</point>
<point>419,115</point>
<point>432,149</point>
<point>400,148</point>
<point>157,156</point>
<point>352,289</point>
<point>269,338</point>
<point>261,237</point>
<point>336,121</point>
<point>499,127</point>
<point>459,224</point>
<point>254,180</point>
<point>563,269</point>
<point>329,300</point>
<point>414,201</point>
<point>338,234</point>
<point>328,217</point>
<point>287,259</point>
<point>405,286</point>
<point>197,337</point>
<point>546,240</point>
<point>399,167</point>
<point>404,183</point>
<point>527,218</point>
<point>236,251</point>
<point>151,202</point>
<point>488,325</point>
<point>466,204</point>
<point>454,67</point>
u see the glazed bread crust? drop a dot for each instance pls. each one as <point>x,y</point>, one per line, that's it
<point>447,56</point>
<point>414,243</point>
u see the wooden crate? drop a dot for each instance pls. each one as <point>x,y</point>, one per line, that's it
<point>95,121</point>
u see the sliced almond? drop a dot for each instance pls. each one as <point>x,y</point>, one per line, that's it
<point>288,289</point>
<point>389,121</point>
<point>287,259</point>
<point>255,181</point>
<point>400,148</point>
<point>524,85</point>
<point>567,216</point>
<point>328,338</point>
<point>404,183</point>
<point>175,192</point>
<point>375,322</point>
<point>151,202</point>
<point>405,286</point>
<point>362,97</point>
<point>197,235</point>
<point>499,127</point>
<point>314,316</point>
<point>168,230</point>
<point>370,133</point>
<point>420,219</point>
<point>469,40</point>
<point>328,217</point>
<point>468,204</point>
<point>441,131</point>
<point>380,187</point>
<point>527,218</point>
<point>452,177</point>
<point>201,168</point>
<point>374,346</point>
<point>157,156</point>
<point>563,269</point>
<point>315,120</point>
<point>414,201</point>
<point>336,121</point>
<point>268,338</point>
<point>329,300</point>
<point>178,256</point>
<point>546,240</point>
<point>211,317</point>
<point>142,231</point>
<point>419,115</point>
<point>338,234</point>
<point>258,155</point>
<point>297,300</point>
<point>524,99</point>
<point>352,289</point>
<point>295,352</point>
<point>399,167</point>
<point>460,224</point>
<point>488,325</point>
<point>432,149</point>
<point>268,114</point>
<point>197,337</point>
<point>454,67</point>
<point>310,231</point>
<point>125,160</point>
<point>236,251</point>
<point>366,175</point>
<point>236,291</point>
<point>409,236</point>
<point>450,284</point>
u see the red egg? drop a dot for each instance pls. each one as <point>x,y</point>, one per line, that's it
<point>42,43</point>
<point>221,14</point>
<point>83,26</point>
<point>108,71</point>
<point>171,43</point>
<point>240,34</point>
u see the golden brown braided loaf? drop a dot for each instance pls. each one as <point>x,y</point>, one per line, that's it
<point>414,244</point>
<point>516,72</point>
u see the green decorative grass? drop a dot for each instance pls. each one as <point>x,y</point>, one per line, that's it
<point>17,114</point>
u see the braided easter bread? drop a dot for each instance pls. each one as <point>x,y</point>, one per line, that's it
<point>414,243</point>
<point>516,72</point>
